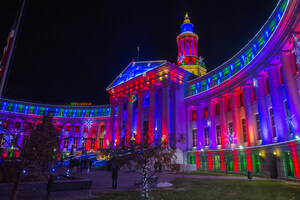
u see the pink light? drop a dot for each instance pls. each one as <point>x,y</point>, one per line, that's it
<point>210,161</point>
<point>295,158</point>
<point>235,161</point>
<point>249,160</point>
<point>197,160</point>
<point>222,160</point>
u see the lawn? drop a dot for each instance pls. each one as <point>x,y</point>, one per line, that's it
<point>187,188</point>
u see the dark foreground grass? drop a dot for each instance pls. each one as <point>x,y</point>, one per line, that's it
<point>187,189</point>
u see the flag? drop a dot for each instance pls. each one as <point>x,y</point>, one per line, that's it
<point>6,52</point>
<point>138,48</point>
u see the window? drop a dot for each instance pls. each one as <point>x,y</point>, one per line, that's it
<point>242,163</point>
<point>29,126</point>
<point>206,136</point>
<point>244,129</point>
<point>68,128</point>
<point>101,143</point>
<point>25,138</point>
<point>66,142</point>
<point>94,129</point>
<point>93,143</point>
<point>86,129</point>
<point>76,129</point>
<point>241,100</point>
<point>280,75</point>
<point>254,94</point>
<point>258,132</point>
<point>289,171</point>
<point>17,125</point>
<point>230,127</point>
<point>287,115</point>
<point>228,102</point>
<point>217,108</point>
<point>216,162</point>
<point>102,128</point>
<point>272,122</point>
<point>59,127</point>
<point>194,133</point>
<point>75,142</point>
<point>205,112</point>
<point>194,115</point>
<point>84,143</point>
<point>147,101</point>
<point>218,131</point>
<point>267,85</point>
<point>5,124</point>
<point>256,163</point>
<point>192,159</point>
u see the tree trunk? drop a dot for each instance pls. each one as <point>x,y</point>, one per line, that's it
<point>16,186</point>
<point>145,182</point>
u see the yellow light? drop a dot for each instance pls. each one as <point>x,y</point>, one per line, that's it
<point>259,154</point>
<point>274,153</point>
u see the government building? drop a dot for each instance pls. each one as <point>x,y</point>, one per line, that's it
<point>242,116</point>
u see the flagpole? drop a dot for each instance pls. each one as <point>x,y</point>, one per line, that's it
<point>11,50</point>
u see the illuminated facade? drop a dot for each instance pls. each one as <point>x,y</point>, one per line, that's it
<point>244,115</point>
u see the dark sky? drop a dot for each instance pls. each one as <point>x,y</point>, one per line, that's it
<point>71,50</point>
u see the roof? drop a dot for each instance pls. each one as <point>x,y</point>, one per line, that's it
<point>135,69</point>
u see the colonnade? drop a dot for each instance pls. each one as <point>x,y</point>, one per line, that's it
<point>154,116</point>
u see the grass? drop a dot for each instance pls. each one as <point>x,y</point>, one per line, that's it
<point>202,173</point>
<point>187,188</point>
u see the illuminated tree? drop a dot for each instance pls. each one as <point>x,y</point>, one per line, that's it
<point>142,156</point>
<point>39,149</point>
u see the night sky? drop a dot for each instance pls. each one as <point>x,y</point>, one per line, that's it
<point>71,50</point>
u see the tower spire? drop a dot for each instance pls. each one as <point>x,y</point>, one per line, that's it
<point>187,42</point>
<point>186,18</point>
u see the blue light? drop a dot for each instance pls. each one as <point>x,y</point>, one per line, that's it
<point>267,33</point>
<point>220,74</point>
<point>231,67</point>
<point>24,171</point>
<point>208,80</point>
<point>187,27</point>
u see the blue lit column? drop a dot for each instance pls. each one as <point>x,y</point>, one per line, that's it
<point>277,103</point>
<point>200,133</point>
<point>266,136</point>
<point>236,120</point>
<point>223,123</point>
<point>211,126</point>
<point>247,92</point>
<point>289,71</point>
<point>111,124</point>
<point>128,131</point>
<point>118,131</point>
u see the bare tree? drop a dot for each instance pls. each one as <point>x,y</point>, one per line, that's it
<point>40,148</point>
<point>142,156</point>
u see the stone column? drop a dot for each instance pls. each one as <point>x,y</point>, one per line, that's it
<point>159,114</point>
<point>236,120</point>
<point>247,92</point>
<point>223,124</point>
<point>166,112</point>
<point>128,121</point>
<point>266,136</point>
<point>151,128</point>
<point>288,72</point>
<point>200,132</point>
<point>277,104</point>
<point>139,120</point>
<point>111,124</point>
<point>211,125</point>
<point>120,122</point>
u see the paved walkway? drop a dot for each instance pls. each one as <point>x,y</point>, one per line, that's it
<point>102,182</point>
